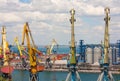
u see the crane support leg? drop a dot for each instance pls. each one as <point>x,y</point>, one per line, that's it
<point>68,77</point>
<point>105,75</point>
<point>73,78</point>
<point>33,77</point>
<point>73,73</point>
<point>77,75</point>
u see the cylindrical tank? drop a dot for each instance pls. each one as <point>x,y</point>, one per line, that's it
<point>89,55</point>
<point>97,55</point>
<point>114,56</point>
<point>110,55</point>
<point>117,55</point>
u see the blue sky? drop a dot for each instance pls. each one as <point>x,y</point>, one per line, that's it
<point>25,1</point>
<point>49,19</point>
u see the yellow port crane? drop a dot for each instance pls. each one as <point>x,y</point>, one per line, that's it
<point>50,47</point>
<point>18,46</point>
<point>5,46</point>
<point>0,52</point>
<point>21,51</point>
<point>21,48</point>
<point>106,75</point>
<point>73,64</point>
<point>6,69</point>
<point>49,51</point>
<point>31,52</point>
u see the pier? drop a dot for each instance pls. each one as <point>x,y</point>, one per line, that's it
<point>84,68</point>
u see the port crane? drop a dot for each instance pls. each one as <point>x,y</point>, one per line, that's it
<point>21,51</point>
<point>49,51</point>
<point>18,46</point>
<point>31,51</point>
<point>5,47</point>
<point>6,69</point>
<point>50,47</point>
<point>0,52</point>
<point>106,74</point>
<point>72,61</point>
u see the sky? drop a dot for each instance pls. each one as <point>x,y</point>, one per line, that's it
<point>49,19</point>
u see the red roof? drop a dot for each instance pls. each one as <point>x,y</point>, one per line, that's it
<point>7,69</point>
<point>1,56</point>
<point>16,60</point>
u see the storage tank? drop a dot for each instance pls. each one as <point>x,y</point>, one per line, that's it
<point>89,55</point>
<point>114,56</point>
<point>97,55</point>
<point>110,55</point>
<point>117,55</point>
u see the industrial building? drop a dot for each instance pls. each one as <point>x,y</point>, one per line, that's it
<point>91,53</point>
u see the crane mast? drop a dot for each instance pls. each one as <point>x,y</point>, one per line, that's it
<point>4,44</point>
<point>72,61</point>
<point>106,36</point>
<point>72,47</point>
<point>31,52</point>
<point>106,75</point>
<point>6,69</point>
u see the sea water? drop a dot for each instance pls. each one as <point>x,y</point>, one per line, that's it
<point>23,75</point>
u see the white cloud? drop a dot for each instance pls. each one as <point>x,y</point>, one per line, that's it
<point>9,17</point>
<point>99,28</point>
<point>52,16</point>
<point>67,31</point>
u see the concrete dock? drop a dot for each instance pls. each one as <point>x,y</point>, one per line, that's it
<point>81,68</point>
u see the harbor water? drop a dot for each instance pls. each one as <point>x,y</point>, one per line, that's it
<point>23,75</point>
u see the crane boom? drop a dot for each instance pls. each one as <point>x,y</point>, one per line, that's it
<point>18,46</point>
<point>31,52</point>
<point>72,65</point>
<point>33,44</point>
<point>106,74</point>
<point>53,44</point>
<point>50,47</point>
<point>106,36</point>
<point>72,50</point>
<point>26,34</point>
